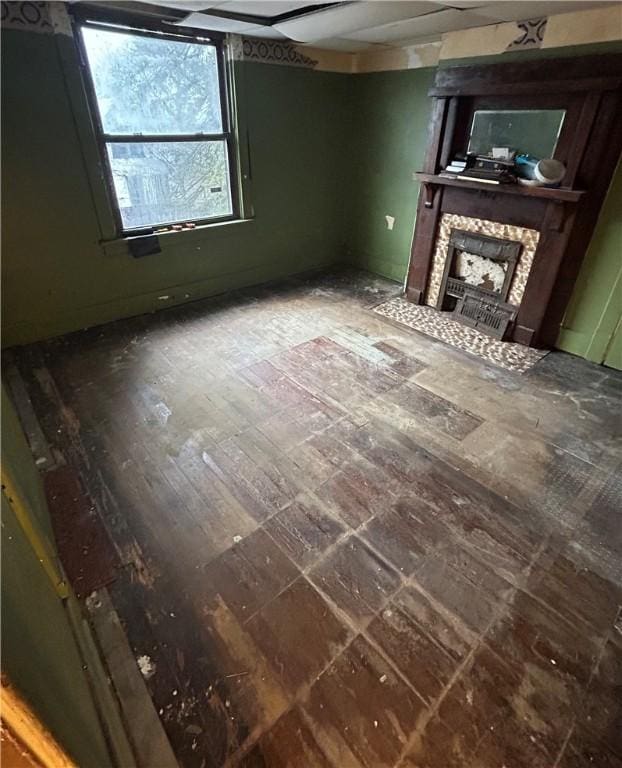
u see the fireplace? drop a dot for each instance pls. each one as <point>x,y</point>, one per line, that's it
<point>479,271</point>
<point>505,253</point>
<point>484,264</point>
<point>477,276</point>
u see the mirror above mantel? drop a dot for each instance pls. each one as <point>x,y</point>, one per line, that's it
<point>530,131</point>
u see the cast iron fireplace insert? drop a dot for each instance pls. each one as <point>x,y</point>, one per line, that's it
<point>480,305</point>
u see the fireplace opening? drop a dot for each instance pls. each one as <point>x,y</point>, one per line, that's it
<point>477,278</point>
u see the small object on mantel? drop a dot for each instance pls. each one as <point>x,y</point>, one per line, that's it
<point>177,227</point>
<point>484,179</point>
<point>490,171</point>
<point>459,164</point>
<point>534,172</point>
<point>190,225</point>
<point>550,172</point>
<point>481,168</point>
<point>503,153</point>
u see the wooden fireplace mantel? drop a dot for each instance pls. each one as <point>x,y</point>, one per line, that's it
<point>589,88</point>
<point>560,194</point>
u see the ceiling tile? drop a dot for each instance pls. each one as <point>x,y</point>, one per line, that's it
<point>427,27</point>
<point>216,24</point>
<point>341,44</point>
<point>334,22</point>
<point>265,31</point>
<point>519,10</point>
<point>267,7</point>
<point>185,5</point>
<point>463,4</point>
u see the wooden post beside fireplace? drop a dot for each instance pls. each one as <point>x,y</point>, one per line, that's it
<point>561,220</point>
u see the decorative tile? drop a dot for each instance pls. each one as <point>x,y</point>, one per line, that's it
<point>268,52</point>
<point>531,34</point>
<point>528,237</point>
<point>30,17</point>
<point>440,325</point>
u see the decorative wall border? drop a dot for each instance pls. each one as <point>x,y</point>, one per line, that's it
<point>267,51</point>
<point>28,17</point>
<point>528,237</point>
<point>582,27</point>
<point>41,17</point>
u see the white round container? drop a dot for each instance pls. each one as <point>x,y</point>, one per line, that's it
<point>549,172</point>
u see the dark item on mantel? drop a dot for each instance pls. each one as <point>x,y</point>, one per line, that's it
<point>481,168</point>
<point>488,177</point>
<point>488,315</point>
<point>491,171</point>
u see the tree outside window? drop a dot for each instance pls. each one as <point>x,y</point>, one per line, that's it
<point>159,101</point>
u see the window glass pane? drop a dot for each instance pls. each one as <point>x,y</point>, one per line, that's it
<point>165,182</point>
<point>153,86</point>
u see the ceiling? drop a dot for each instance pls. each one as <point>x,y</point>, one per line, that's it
<point>358,25</point>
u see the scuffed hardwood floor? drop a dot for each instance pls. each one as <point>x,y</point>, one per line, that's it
<point>345,544</point>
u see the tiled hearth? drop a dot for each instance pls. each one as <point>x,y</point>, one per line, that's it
<point>441,326</point>
<point>449,221</point>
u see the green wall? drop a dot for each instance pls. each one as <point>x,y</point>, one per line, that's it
<point>331,155</point>
<point>57,277</point>
<point>39,651</point>
<point>388,137</point>
<point>389,126</point>
<point>17,459</point>
<point>595,310</point>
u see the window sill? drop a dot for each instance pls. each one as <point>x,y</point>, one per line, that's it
<point>120,245</point>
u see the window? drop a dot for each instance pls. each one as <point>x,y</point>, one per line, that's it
<point>161,110</point>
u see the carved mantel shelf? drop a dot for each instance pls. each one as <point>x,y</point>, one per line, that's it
<point>558,195</point>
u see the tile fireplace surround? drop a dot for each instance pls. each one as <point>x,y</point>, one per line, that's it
<point>447,328</point>
<point>441,326</point>
<point>527,237</point>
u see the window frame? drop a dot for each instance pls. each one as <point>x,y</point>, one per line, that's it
<point>131,24</point>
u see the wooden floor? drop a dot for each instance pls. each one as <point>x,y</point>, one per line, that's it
<point>345,544</point>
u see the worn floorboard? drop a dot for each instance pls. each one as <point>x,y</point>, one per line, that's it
<point>343,544</point>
